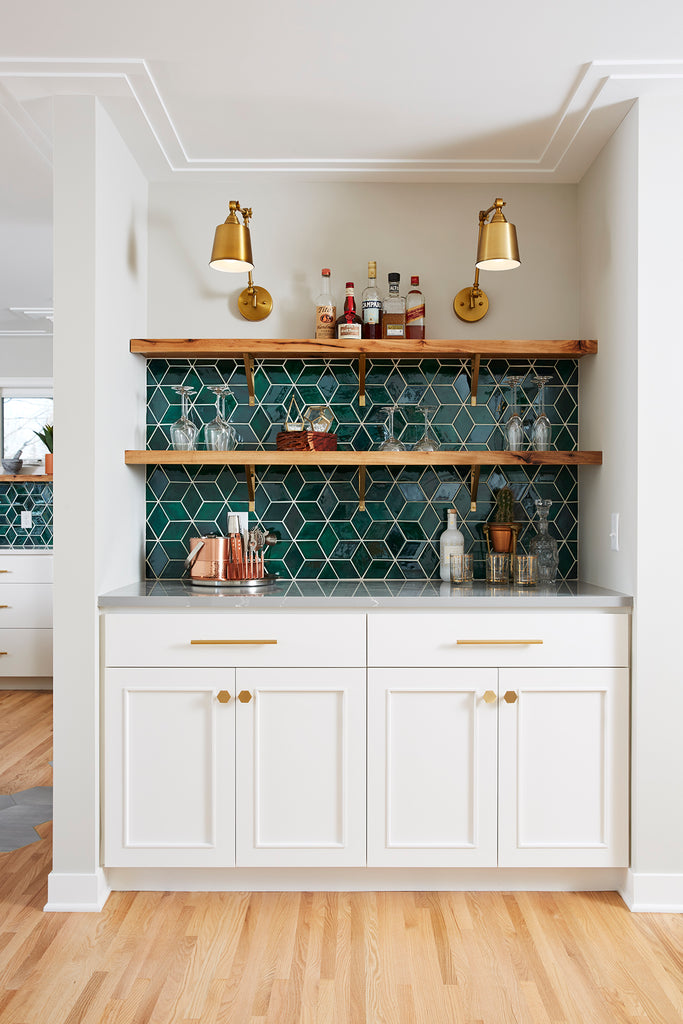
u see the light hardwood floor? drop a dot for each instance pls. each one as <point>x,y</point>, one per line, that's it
<point>343,958</point>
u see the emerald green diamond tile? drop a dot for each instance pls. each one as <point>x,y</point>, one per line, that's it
<point>310,529</point>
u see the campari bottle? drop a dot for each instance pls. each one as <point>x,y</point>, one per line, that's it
<point>371,305</point>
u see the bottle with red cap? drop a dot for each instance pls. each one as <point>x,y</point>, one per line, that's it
<point>325,310</point>
<point>349,324</point>
<point>415,310</point>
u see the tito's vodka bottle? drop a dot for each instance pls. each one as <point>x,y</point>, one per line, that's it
<point>415,310</point>
<point>325,310</point>
<point>349,324</point>
<point>394,311</point>
<point>371,305</point>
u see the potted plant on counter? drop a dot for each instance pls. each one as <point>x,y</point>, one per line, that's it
<point>503,529</point>
<point>46,436</point>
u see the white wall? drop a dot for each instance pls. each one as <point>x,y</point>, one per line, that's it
<point>100,213</point>
<point>22,356</point>
<point>297,229</point>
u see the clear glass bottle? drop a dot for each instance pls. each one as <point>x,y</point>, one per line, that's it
<point>451,542</point>
<point>415,310</point>
<point>371,305</point>
<point>394,310</point>
<point>349,324</point>
<point>543,545</point>
<point>325,310</point>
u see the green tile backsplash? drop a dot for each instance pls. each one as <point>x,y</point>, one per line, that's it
<point>315,511</point>
<point>18,497</point>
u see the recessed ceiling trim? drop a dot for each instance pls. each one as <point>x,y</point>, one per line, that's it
<point>601,86</point>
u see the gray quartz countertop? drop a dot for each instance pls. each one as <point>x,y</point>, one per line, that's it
<point>168,594</point>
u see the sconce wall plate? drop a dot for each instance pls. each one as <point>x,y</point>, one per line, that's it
<point>255,303</point>
<point>468,310</point>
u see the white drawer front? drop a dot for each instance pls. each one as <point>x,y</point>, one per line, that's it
<point>25,568</point>
<point>239,639</point>
<point>25,605</point>
<point>507,638</point>
<point>25,652</point>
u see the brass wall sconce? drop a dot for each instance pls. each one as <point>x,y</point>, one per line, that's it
<point>496,250</point>
<point>232,252</point>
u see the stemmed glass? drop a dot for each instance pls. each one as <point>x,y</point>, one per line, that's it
<point>428,442</point>
<point>541,430</point>
<point>184,431</point>
<point>514,431</point>
<point>390,443</point>
<point>219,433</point>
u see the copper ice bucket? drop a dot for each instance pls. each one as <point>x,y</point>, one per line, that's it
<point>209,558</point>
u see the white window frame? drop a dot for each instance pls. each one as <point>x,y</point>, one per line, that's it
<point>25,387</point>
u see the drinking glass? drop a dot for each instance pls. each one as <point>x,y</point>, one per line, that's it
<point>219,433</point>
<point>541,430</point>
<point>390,443</point>
<point>184,431</point>
<point>514,431</point>
<point>428,442</point>
<point>497,567</point>
<point>525,570</point>
<point>462,570</point>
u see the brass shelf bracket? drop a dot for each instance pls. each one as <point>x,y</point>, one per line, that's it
<point>474,378</point>
<point>361,379</point>
<point>249,371</point>
<point>474,486</point>
<point>361,488</point>
<point>250,472</point>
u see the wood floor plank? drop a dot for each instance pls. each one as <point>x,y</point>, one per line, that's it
<point>317,958</point>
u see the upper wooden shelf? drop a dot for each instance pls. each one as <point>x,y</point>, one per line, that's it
<point>301,348</point>
<point>10,478</point>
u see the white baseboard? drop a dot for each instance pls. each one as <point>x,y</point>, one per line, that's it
<point>654,894</point>
<point>26,683</point>
<point>81,893</point>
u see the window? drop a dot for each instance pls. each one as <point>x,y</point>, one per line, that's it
<point>25,406</point>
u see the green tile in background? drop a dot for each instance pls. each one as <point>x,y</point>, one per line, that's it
<point>314,511</point>
<point>19,497</point>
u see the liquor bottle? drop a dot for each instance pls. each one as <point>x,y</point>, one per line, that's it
<point>349,324</point>
<point>394,311</point>
<point>451,542</point>
<point>371,305</point>
<point>415,310</point>
<point>325,310</point>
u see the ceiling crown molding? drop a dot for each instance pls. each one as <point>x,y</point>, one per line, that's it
<point>601,96</point>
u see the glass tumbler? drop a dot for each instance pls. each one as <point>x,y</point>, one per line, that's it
<point>497,567</point>
<point>525,570</point>
<point>462,569</point>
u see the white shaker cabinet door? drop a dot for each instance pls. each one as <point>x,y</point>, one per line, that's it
<point>432,754</point>
<point>169,767</point>
<point>563,768</point>
<point>300,737</point>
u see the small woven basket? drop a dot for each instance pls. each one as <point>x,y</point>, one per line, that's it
<point>306,441</point>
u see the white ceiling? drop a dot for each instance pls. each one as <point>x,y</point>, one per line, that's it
<point>381,90</point>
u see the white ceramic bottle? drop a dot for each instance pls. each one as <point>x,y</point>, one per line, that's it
<point>451,542</point>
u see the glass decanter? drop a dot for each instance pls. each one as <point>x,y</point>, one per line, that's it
<point>184,431</point>
<point>428,442</point>
<point>541,430</point>
<point>219,433</point>
<point>390,443</point>
<point>543,545</point>
<point>514,430</point>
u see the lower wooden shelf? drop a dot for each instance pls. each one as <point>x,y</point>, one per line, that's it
<point>252,458</point>
<point>11,478</point>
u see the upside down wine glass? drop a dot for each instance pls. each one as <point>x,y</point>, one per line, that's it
<point>541,430</point>
<point>219,433</point>
<point>428,442</point>
<point>390,443</point>
<point>184,431</point>
<point>514,431</point>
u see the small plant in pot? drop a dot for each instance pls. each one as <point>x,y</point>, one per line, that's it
<point>46,436</point>
<point>503,528</point>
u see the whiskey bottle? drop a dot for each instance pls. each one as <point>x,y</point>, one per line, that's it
<point>394,311</point>
<point>415,310</point>
<point>325,310</point>
<point>349,324</point>
<point>371,305</point>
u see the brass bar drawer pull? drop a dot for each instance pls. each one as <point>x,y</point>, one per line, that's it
<point>223,697</point>
<point>4,606</point>
<point>489,697</point>
<point>3,652</point>
<point>498,643</point>
<point>510,697</point>
<point>249,643</point>
<point>5,570</point>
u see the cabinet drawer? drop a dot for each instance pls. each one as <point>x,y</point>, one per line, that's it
<point>26,652</point>
<point>498,638</point>
<point>25,605</point>
<point>25,568</point>
<point>239,639</point>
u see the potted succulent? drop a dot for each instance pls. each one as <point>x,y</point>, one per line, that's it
<point>46,436</point>
<point>503,527</point>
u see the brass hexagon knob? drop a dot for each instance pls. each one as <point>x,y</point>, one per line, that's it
<point>223,697</point>
<point>489,697</point>
<point>510,697</point>
<point>244,696</point>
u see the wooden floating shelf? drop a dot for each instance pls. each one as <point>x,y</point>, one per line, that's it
<point>10,478</point>
<point>249,349</point>
<point>361,460</point>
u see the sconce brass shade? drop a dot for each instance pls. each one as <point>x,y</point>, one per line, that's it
<point>232,244</point>
<point>497,249</point>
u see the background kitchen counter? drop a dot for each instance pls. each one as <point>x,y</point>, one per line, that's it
<point>290,594</point>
